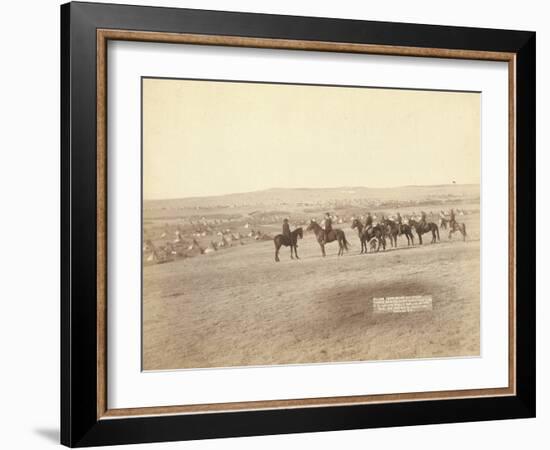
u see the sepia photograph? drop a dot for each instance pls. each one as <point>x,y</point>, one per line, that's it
<point>304,224</point>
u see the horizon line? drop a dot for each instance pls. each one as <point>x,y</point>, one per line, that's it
<point>144,199</point>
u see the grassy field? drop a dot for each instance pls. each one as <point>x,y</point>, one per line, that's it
<point>237,307</point>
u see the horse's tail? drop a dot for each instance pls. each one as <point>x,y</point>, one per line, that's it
<point>345,241</point>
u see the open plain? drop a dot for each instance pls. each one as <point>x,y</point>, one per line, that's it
<point>226,302</point>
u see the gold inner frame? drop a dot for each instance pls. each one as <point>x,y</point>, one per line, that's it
<point>104,35</point>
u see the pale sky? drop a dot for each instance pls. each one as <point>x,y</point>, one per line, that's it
<point>211,138</point>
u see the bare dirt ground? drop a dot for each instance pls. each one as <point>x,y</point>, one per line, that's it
<point>237,307</point>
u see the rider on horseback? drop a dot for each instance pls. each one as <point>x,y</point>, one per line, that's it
<point>328,226</point>
<point>399,221</point>
<point>368,224</point>
<point>286,231</point>
<point>423,221</point>
<point>452,220</point>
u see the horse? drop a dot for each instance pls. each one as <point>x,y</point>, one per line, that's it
<point>373,236</point>
<point>461,227</point>
<point>334,235</point>
<point>443,223</point>
<point>425,227</point>
<point>280,240</point>
<point>394,229</point>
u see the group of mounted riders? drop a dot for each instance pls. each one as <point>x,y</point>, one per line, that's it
<point>370,233</point>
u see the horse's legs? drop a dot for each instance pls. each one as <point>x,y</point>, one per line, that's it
<point>453,229</point>
<point>420,238</point>
<point>277,247</point>
<point>296,252</point>
<point>323,249</point>
<point>291,256</point>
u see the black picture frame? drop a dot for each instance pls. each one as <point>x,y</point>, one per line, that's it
<point>80,425</point>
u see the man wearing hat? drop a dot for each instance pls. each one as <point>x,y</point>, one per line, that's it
<point>286,231</point>
<point>452,220</point>
<point>423,220</point>
<point>328,226</point>
<point>368,222</point>
<point>399,221</point>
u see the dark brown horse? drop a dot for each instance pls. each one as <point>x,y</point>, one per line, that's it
<point>334,235</point>
<point>373,236</point>
<point>425,227</point>
<point>281,240</point>
<point>455,226</point>
<point>393,229</point>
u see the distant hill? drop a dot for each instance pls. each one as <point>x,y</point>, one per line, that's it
<point>306,197</point>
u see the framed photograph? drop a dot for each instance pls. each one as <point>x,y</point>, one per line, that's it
<point>277,224</point>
